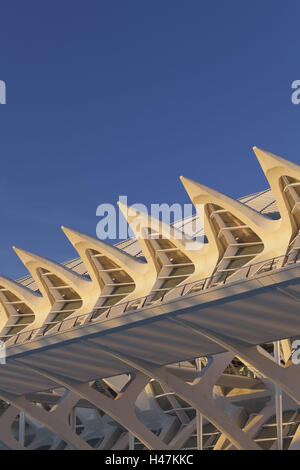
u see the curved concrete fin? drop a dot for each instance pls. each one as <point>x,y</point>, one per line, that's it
<point>36,302</point>
<point>33,262</point>
<point>201,194</point>
<point>138,220</point>
<point>192,249</point>
<point>140,271</point>
<point>83,242</point>
<point>33,299</point>
<point>275,168</point>
<point>269,161</point>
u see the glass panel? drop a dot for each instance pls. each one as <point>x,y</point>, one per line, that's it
<point>183,270</point>
<point>121,277</point>
<point>230,220</point>
<point>72,305</point>
<point>250,250</point>
<point>164,403</point>
<point>123,289</point>
<point>168,284</point>
<point>107,263</point>
<point>55,281</point>
<point>164,244</point>
<point>239,262</point>
<point>177,257</point>
<point>156,388</point>
<point>112,300</point>
<point>10,296</point>
<point>245,235</point>
<point>68,293</point>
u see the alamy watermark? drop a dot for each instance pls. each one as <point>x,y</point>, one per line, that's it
<point>2,92</point>
<point>296,93</point>
<point>150,224</point>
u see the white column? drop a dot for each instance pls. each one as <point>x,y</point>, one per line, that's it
<point>22,428</point>
<point>73,419</point>
<point>278,400</point>
<point>131,441</point>
<point>199,418</point>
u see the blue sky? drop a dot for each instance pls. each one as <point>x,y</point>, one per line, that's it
<point>113,97</point>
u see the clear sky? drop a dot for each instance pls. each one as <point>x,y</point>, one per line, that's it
<point>113,97</point>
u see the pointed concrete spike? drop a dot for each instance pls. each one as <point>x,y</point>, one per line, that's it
<point>29,258</point>
<point>76,237</point>
<point>129,212</point>
<point>158,225</point>
<point>200,194</point>
<point>268,161</point>
<point>21,291</point>
<point>25,256</point>
<point>195,189</point>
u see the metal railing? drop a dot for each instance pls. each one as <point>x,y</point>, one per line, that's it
<point>101,314</point>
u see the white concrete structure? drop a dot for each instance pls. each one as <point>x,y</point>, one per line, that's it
<point>121,347</point>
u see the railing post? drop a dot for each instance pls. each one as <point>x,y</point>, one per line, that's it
<point>226,276</point>
<point>286,259</point>
<point>31,334</point>
<point>144,301</point>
